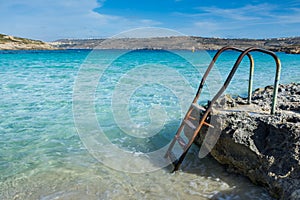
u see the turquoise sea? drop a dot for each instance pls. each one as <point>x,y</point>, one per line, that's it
<point>138,99</point>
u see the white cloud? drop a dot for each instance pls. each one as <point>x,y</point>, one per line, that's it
<point>292,17</point>
<point>206,28</point>
<point>262,20</point>
<point>54,19</point>
<point>248,12</point>
<point>149,22</point>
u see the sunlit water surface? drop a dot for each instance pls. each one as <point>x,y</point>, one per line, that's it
<point>42,156</point>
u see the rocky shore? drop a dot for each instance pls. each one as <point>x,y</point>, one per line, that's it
<point>8,42</point>
<point>263,147</point>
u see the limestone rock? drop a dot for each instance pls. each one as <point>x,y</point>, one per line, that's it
<point>263,147</point>
<point>8,42</point>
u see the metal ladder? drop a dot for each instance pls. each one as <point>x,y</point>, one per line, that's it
<point>204,120</point>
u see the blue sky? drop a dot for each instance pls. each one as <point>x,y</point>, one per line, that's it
<point>54,19</point>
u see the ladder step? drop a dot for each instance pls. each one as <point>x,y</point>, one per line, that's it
<point>192,118</point>
<point>190,124</point>
<point>172,156</point>
<point>181,142</point>
<point>198,107</point>
<point>207,124</point>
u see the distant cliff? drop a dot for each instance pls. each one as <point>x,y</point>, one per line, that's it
<point>8,42</point>
<point>288,45</point>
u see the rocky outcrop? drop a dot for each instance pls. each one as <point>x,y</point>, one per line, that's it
<point>8,42</point>
<point>263,147</point>
<point>289,45</point>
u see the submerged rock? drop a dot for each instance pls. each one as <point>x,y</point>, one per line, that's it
<point>250,141</point>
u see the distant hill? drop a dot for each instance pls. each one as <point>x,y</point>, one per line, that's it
<point>8,42</point>
<point>289,45</point>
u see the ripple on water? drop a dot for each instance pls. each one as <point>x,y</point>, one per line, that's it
<point>81,177</point>
<point>42,157</point>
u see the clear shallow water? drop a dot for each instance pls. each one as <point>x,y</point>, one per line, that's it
<point>42,156</point>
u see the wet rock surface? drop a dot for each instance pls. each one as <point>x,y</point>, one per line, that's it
<point>263,147</point>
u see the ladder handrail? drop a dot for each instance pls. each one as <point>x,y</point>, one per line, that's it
<point>236,65</point>
<point>220,92</point>
<point>212,63</point>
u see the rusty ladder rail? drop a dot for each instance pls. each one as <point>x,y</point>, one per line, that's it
<point>186,122</point>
